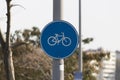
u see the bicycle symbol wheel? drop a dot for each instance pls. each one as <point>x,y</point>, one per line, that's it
<point>51,41</point>
<point>66,41</point>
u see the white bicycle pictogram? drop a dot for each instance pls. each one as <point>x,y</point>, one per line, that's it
<point>57,39</point>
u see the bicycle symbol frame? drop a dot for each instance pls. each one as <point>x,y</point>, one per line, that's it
<point>57,39</point>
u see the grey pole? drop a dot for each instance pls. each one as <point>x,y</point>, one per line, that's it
<point>58,64</point>
<point>80,46</point>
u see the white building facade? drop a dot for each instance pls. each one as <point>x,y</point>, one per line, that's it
<point>117,65</point>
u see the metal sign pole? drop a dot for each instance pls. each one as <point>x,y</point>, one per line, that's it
<point>58,64</point>
<point>78,75</point>
<point>80,48</point>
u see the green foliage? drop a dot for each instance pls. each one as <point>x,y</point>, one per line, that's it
<point>31,36</point>
<point>87,40</point>
<point>90,68</point>
<point>32,64</point>
<point>27,34</point>
<point>24,41</point>
<point>71,65</point>
<point>88,57</point>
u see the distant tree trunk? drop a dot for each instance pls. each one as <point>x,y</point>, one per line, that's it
<point>9,68</point>
<point>8,62</point>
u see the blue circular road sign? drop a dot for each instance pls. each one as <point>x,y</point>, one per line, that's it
<point>59,39</point>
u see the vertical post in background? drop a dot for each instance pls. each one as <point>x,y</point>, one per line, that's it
<point>80,46</point>
<point>58,64</point>
<point>78,75</point>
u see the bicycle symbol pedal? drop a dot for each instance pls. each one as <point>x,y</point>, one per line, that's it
<point>57,39</point>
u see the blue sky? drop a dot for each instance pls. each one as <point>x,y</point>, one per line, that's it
<point>100,18</point>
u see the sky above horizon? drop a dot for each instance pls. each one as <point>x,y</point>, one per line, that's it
<point>100,19</point>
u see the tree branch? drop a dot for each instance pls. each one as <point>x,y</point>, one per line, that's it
<point>13,5</point>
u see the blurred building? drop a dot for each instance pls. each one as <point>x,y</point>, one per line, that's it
<point>108,68</point>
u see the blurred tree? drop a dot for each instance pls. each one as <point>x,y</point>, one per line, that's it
<point>5,44</point>
<point>32,36</point>
<point>87,40</point>
<point>26,34</point>
<point>36,32</point>
<point>21,43</point>
<point>91,62</point>
<point>90,56</point>
<point>26,40</point>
